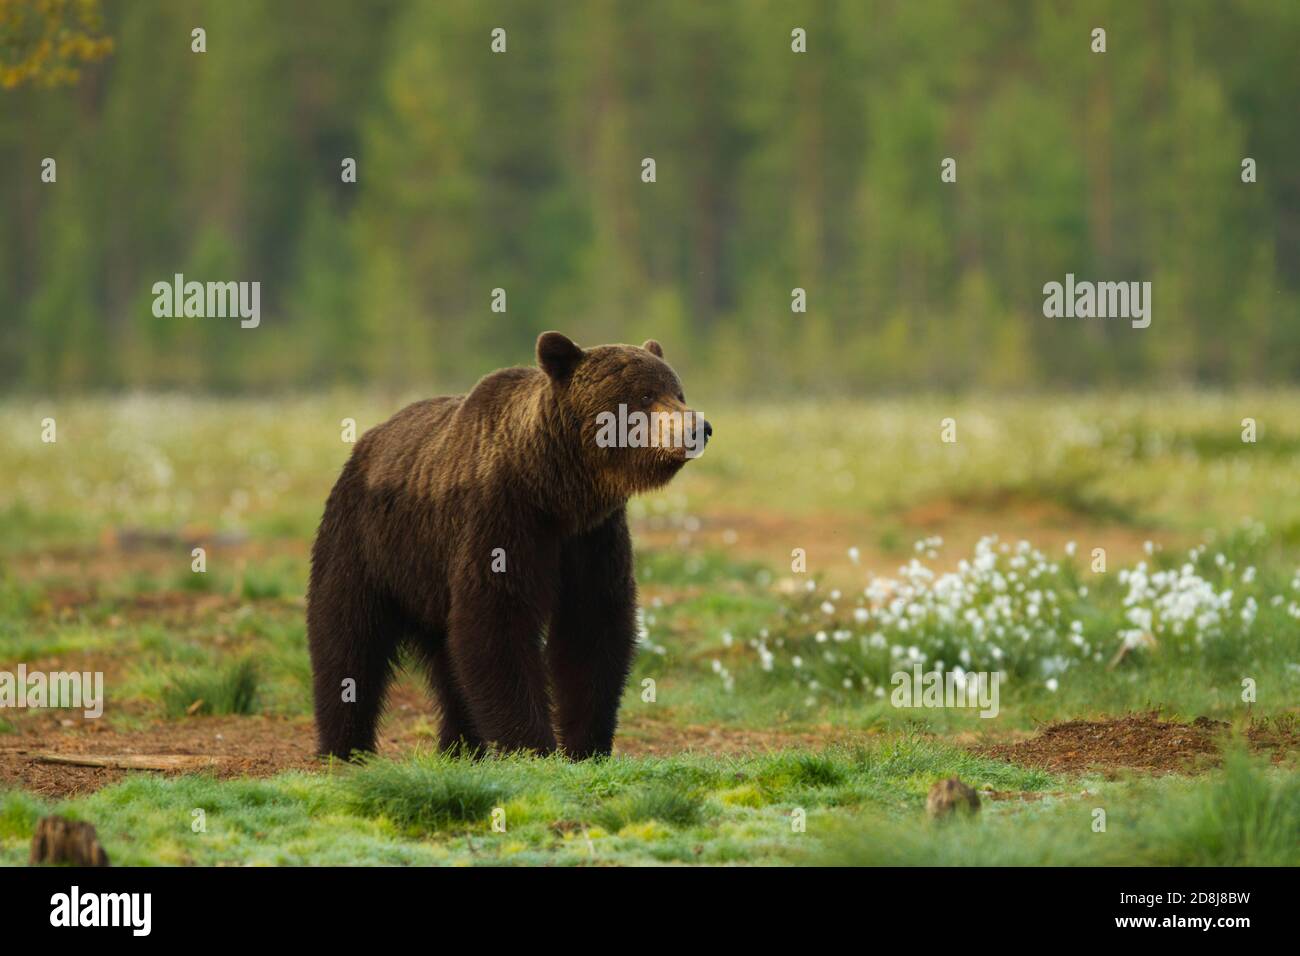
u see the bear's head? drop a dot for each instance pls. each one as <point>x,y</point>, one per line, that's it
<point>626,409</point>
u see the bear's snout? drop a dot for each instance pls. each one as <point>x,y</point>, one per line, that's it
<point>699,436</point>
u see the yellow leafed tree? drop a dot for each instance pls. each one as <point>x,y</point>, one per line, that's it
<point>44,42</point>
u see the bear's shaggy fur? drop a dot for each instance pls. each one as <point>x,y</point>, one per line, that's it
<point>407,554</point>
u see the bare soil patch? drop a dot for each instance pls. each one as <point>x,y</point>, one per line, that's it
<point>1143,742</point>
<point>50,760</point>
<point>647,737</point>
<point>56,761</point>
<point>227,746</point>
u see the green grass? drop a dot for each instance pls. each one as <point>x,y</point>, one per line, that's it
<point>1244,815</point>
<point>424,795</point>
<point>229,688</point>
<point>863,805</point>
<point>660,803</point>
<point>433,809</point>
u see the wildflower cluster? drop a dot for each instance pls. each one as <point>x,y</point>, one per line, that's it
<point>1006,609</point>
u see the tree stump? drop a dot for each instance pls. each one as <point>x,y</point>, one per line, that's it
<point>60,840</point>
<point>948,796</point>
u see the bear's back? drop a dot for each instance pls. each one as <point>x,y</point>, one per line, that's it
<point>443,434</point>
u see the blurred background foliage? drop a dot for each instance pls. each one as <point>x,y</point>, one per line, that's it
<point>775,170</point>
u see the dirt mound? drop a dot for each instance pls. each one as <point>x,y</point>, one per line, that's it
<point>1139,742</point>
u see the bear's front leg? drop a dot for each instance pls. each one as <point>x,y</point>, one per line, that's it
<point>494,643</point>
<point>592,636</point>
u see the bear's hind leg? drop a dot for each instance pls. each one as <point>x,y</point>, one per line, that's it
<point>353,635</point>
<point>457,731</point>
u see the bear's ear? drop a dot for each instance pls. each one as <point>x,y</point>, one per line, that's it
<point>557,355</point>
<point>654,348</point>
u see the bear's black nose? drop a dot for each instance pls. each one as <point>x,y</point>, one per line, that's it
<point>708,431</point>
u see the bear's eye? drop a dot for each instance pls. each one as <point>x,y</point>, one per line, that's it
<point>647,398</point>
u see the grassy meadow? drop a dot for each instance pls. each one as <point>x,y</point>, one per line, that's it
<point>813,552</point>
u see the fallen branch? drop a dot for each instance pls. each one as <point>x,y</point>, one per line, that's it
<point>133,761</point>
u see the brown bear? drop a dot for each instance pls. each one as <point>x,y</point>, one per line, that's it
<point>488,533</point>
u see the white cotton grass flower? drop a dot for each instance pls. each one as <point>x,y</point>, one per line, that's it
<point>728,681</point>
<point>1009,609</point>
